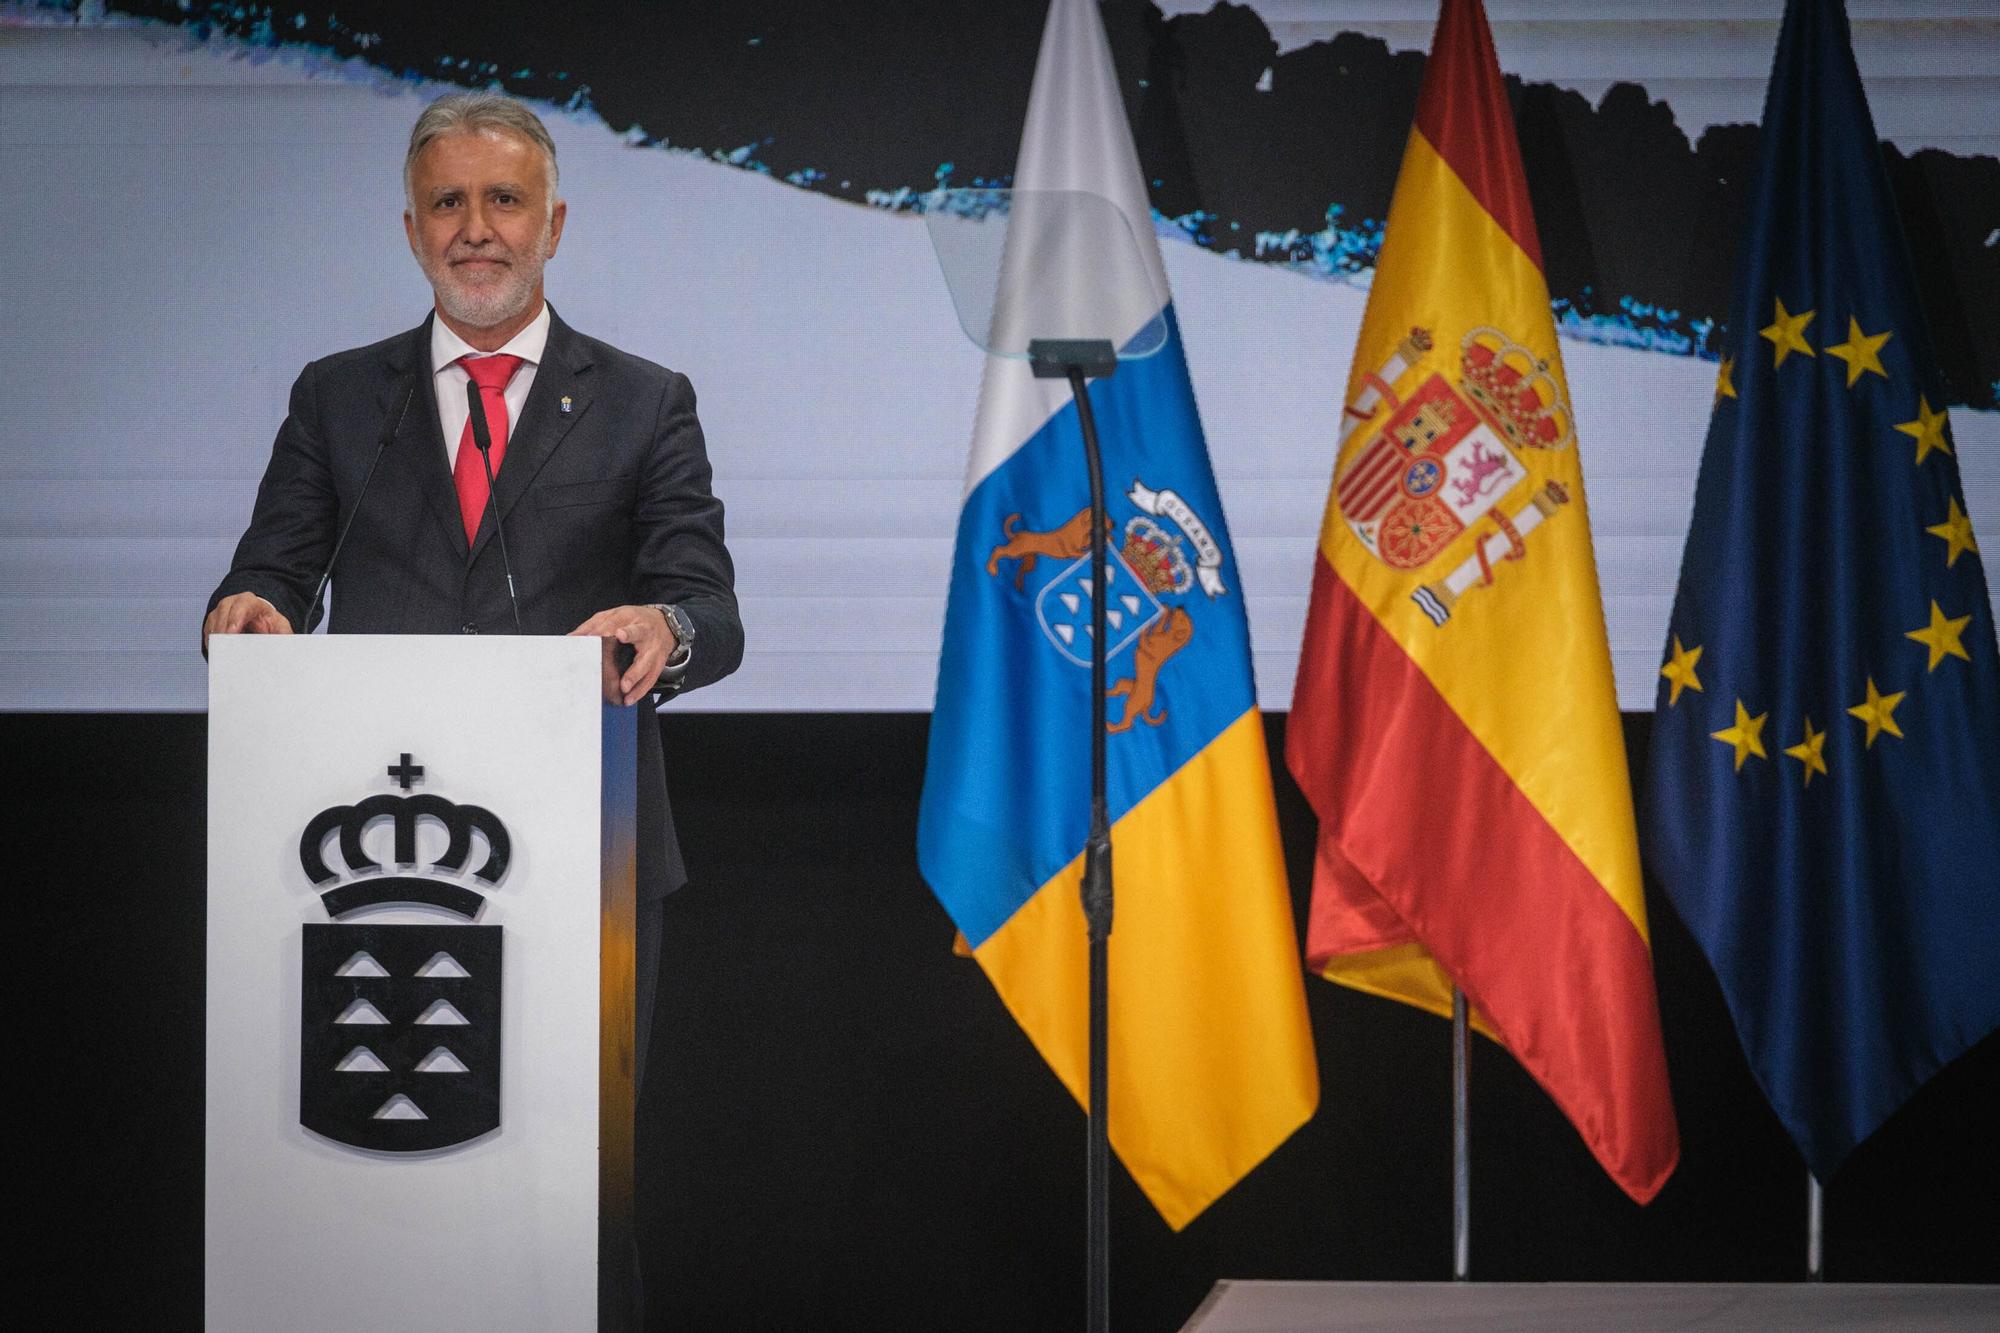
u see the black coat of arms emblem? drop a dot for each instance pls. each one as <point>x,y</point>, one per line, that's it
<point>399,1045</point>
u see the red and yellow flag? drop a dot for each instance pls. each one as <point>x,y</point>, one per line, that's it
<point>1455,723</point>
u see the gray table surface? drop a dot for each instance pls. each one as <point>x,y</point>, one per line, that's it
<point>1555,1307</point>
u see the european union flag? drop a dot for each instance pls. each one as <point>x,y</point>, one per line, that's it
<point>1824,795</point>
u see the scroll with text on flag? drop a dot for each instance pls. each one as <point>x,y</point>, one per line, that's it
<point>1454,723</point>
<point>1211,1057</point>
<point>1823,795</point>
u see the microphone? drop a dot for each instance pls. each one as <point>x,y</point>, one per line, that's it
<point>476,414</point>
<point>388,434</point>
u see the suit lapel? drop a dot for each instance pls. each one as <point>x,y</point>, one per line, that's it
<point>555,403</point>
<point>420,440</point>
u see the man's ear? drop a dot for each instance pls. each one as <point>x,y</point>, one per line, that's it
<point>410,230</point>
<point>556,216</point>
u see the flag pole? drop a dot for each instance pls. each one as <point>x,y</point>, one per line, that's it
<point>1077,361</point>
<point>1097,897</point>
<point>1461,1139</point>
<point>1815,1233</point>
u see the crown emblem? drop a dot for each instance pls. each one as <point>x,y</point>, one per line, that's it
<point>369,889</point>
<point>1515,391</point>
<point>1155,556</point>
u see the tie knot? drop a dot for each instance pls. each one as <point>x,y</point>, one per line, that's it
<point>491,372</point>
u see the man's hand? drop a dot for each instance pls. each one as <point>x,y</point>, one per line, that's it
<point>652,643</point>
<point>243,613</point>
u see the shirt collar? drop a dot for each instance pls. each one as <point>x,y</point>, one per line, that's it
<point>528,344</point>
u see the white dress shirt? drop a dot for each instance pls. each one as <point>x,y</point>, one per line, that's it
<point>450,377</point>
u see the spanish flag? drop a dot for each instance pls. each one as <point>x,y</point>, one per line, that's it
<point>1455,724</point>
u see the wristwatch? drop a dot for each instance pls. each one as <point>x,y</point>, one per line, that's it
<point>684,635</point>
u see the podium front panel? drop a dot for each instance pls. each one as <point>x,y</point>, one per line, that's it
<point>419,849</point>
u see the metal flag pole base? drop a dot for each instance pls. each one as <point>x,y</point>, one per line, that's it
<point>1078,361</point>
<point>1815,1232</point>
<point>1461,1139</point>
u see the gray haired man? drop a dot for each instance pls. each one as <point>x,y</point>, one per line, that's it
<point>600,472</point>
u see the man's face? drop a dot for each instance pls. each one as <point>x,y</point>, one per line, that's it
<point>481,224</point>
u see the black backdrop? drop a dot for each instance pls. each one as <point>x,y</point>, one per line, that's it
<point>842,1127</point>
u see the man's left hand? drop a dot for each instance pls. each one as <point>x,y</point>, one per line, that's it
<point>652,643</point>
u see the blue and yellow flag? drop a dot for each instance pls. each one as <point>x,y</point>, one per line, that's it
<point>1211,1056</point>
<point>1824,794</point>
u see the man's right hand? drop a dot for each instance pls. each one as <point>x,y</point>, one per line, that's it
<point>243,613</point>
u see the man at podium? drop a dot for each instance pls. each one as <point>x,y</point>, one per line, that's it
<point>598,519</point>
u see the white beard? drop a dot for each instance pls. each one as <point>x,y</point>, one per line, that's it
<point>495,300</point>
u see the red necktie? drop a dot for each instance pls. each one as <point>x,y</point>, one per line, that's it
<point>491,374</point>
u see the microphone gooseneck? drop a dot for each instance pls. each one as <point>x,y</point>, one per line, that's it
<point>483,441</point>
<point>381,447</point>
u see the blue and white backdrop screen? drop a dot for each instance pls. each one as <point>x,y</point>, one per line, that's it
<point>202,198</point>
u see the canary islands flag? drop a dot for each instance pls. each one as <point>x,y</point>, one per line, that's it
<point>1211,1057</point>
<point>1454,722</point>
<point>1823,802</point>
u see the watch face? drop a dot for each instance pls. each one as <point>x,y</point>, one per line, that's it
<point>678,622</point>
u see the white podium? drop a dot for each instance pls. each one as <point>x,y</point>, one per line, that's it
<point>420,1015</point>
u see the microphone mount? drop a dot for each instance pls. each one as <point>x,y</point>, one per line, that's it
<point>482,439</point>
<point>381,447</point>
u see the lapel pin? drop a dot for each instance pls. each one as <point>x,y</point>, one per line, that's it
<point>565,403</point>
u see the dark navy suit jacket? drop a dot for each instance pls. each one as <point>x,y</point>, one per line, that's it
<point>607,503</point>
